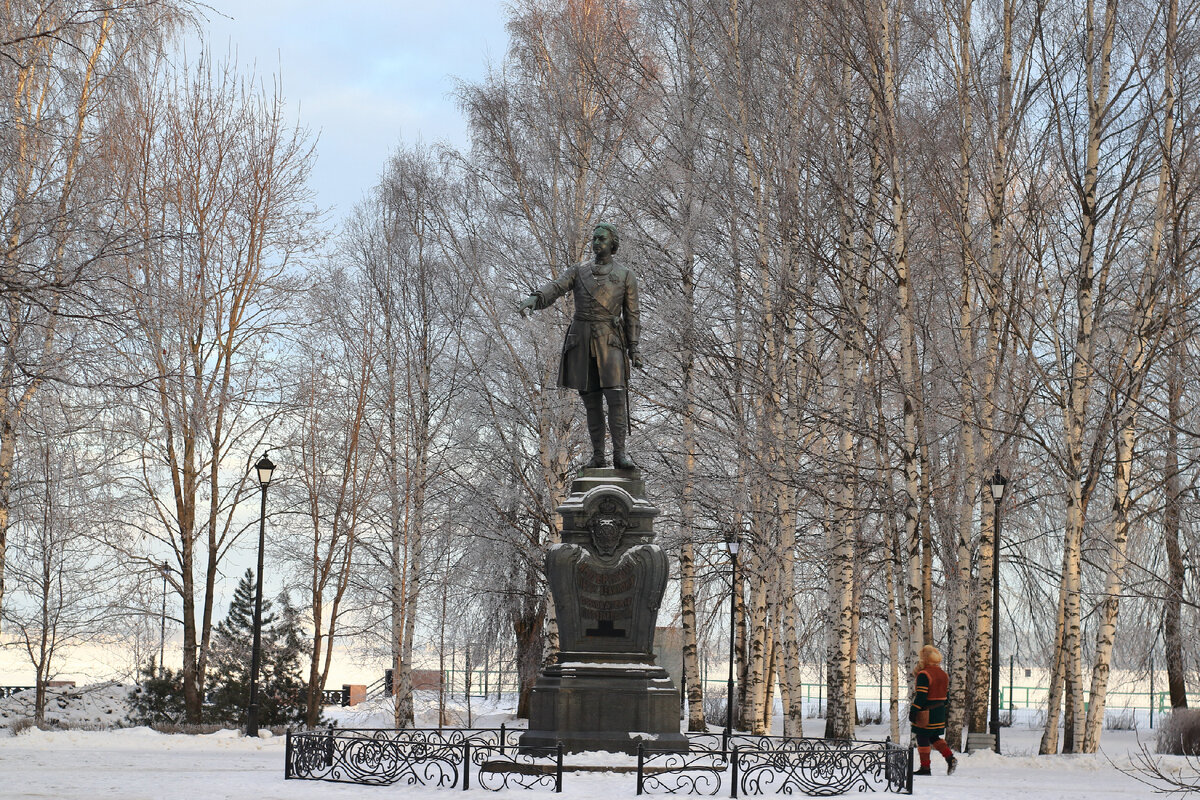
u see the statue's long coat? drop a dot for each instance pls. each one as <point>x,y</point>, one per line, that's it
<point>605,329</point>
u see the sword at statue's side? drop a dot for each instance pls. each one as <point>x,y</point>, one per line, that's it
<point>628,413</point>
<point>629,374</point>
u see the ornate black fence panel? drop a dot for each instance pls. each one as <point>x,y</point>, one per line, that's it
<point>421,757</point>
<point>822,768</point>
<point>377,757</point>
<point>667,772</point>
<point>899,768</point>
<point>508,767</point>
<point>757,765</point>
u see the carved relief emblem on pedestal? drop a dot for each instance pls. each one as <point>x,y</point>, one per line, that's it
<point>608,525</point>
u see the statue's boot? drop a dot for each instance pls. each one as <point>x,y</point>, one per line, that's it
<point>618,425</point>
<point>593,404</point>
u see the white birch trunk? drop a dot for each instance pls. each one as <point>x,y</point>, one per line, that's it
<point>759,647</point>
<point>961,583</point>
<point>890,569</point>
<point>986,454</point>
<point>910,386</point>
<point>1146,330</point>
<point>1082,371</point>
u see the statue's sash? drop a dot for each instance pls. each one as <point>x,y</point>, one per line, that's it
<point>604,293</point>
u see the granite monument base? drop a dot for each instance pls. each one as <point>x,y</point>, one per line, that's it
<point>608,707</point>
<point>607,577</point>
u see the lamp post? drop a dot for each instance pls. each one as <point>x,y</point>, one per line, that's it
<point>264,468</point>
<point>996,483</point>
<point>732,544</point>
<point>162,629</point>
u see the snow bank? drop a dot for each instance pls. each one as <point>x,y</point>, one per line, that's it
<point>100,705</point>
<point>108,705</point>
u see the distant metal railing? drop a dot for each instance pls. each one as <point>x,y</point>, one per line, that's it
<point>378,689</point>
<point>492,681</point>
<point>1011,696</point>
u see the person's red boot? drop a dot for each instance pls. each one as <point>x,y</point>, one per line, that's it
<point>923,754</point>
<point>948,754</point>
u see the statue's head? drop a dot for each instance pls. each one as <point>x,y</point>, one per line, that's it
<point>613,237</point>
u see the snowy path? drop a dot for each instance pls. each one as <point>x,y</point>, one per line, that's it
<point>138,764</point>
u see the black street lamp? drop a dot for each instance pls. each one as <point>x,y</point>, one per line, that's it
<point>265,468</point>
<point>732,545</point>
<point>996,483</point>
<point>162,630</point>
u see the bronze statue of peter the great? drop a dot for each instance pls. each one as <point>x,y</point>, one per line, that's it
<point>602,342</point>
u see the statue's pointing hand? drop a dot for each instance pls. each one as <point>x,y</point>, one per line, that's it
<point>529,304</point>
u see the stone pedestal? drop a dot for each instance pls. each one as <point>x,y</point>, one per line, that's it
<point>607,578</point>
<point>980,741</point>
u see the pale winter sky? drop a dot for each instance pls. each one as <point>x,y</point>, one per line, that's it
<point>364,74</point>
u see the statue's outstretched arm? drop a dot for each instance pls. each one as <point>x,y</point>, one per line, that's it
<point>549,292</point>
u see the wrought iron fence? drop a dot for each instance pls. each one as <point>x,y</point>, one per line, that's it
<point>498,767</point>
<point>756,765</point>
<point>699,771</point>
<point>491,757</point>
<point>438,758</point>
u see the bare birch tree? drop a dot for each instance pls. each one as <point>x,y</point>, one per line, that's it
<point>62,65</point>
<point>216,185</point>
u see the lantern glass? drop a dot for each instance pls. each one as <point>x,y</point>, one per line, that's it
<point>997,484</point>
<point>265,468</point>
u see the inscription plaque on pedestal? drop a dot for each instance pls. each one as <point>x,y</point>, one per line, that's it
<point>607,577</point>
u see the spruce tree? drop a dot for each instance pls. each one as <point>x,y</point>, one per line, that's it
<point>280,686</point>
<point>158,699</point>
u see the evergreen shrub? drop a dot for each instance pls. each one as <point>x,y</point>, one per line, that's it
<point>158,698</point>
<point>281,690</point>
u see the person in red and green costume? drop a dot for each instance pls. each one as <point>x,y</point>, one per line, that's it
<point>928,710</point>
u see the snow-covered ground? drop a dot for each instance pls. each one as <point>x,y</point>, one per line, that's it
<point>135,763</point>
<point>484,712</point>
